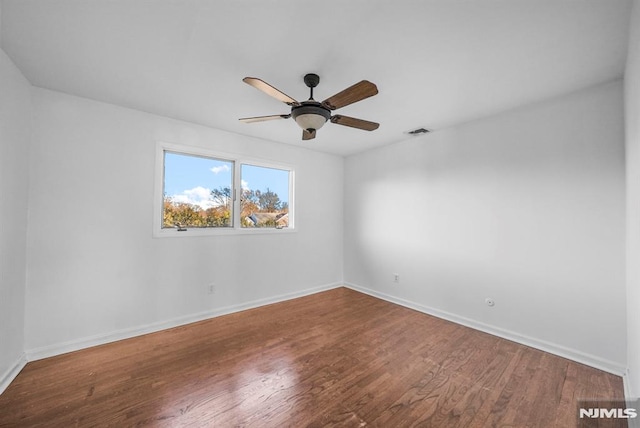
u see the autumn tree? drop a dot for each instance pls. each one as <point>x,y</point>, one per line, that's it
<point>248,203</point>
<point>178,213</point>
<point>219,215</point>
<point>268,201</point>
<point>189,215</point>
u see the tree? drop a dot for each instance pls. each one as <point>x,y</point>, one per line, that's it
<point>217,217</point>
<point>221,196</point>
<point>269,201</point>
<point>189,215</point>
<point>181,213</point>
<point>249,203</point>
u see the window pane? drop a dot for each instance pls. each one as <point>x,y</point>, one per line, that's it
<point>197,191</point>
<point>265,197</point>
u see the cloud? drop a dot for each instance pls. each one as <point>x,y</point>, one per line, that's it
<point>200,196</point>
<point>244,185</point>
<point>222,168</point>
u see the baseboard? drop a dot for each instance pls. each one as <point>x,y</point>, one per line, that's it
<point>12,372</point>
<point>627,386</point>
<point>552,348</point>
<point>87,342</point>
<point>635,422</point>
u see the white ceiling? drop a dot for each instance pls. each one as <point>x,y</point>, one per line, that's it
<point>436,62</point>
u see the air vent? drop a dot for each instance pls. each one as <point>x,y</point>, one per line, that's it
<point>418,131</point>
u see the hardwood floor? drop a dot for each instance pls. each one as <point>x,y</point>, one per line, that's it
<point>337,358</point>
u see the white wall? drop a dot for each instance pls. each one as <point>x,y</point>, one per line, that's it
<point>15,126</point>
<point>96,272</point>
<point>632,128</point>
<point>526,207</point>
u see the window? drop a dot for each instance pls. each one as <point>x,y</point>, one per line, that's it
<point>199,192</point>
<point>265,196</point>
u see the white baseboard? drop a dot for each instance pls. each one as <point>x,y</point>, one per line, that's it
<point>552,348</point>
<point>87,342</point>
<point>11,373</point>
<point>635,422</point>
<point>75,345</point>
<point>627,387</point>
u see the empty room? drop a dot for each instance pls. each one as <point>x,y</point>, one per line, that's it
<point>294,213</point>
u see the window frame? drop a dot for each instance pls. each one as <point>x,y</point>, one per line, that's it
<point>236,223</point>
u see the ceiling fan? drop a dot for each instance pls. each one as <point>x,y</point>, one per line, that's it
<point>311,115</point>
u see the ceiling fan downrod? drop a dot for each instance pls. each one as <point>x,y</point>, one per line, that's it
<point>311,80</point>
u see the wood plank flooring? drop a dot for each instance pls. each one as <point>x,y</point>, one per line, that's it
<point>337,358</point>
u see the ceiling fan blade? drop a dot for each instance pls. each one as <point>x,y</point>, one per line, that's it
<point>308,135</point>
<point>264,118</point>
<point>352,94</point>
<point>354,123</point>
<point>270,90</point>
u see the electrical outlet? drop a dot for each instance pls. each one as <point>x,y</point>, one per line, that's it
<point>211,288</point>
<point>396,277</point>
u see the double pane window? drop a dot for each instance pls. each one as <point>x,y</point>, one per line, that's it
<point>207,192</point>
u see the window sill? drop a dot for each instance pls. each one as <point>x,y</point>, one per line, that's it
<point>226,231</point>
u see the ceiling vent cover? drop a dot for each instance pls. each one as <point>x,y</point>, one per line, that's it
<point>418,131</point>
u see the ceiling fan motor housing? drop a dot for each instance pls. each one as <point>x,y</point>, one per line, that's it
<point>310,115</point>
<point>311,80</point>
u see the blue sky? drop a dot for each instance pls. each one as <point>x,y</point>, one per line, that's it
<point>190,178</point>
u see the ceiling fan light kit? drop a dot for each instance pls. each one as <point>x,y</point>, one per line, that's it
<point>311,115</point>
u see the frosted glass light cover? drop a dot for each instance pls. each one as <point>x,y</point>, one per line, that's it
<point>310,121</point>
